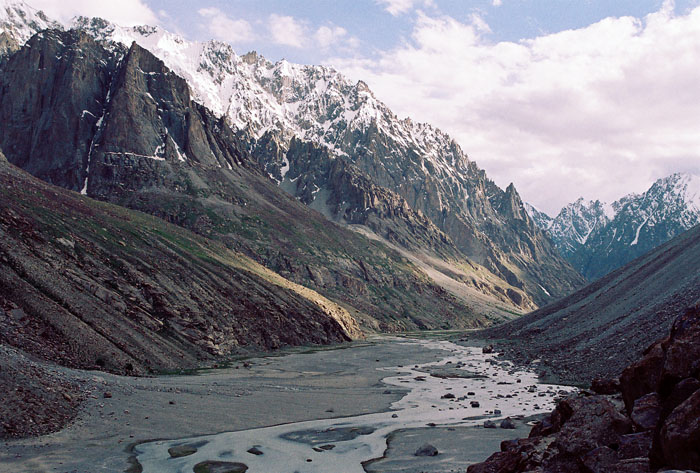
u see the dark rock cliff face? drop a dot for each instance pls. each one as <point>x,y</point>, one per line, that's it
<point>50,120</point>
<point>351,197</point>
<point>647,421</point>
<point>119,126</point>
<point>342,192</point>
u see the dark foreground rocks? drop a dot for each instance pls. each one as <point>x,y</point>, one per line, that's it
<point>648,422</point>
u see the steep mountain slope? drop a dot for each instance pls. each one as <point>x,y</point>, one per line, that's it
<point>138,139</point>
<point>19,21</point>
<point>419,163</point>
<point>88,284</point>
<point>606,325</point>
<point>541,219</point>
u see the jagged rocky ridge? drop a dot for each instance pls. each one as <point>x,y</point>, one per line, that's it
<point>417,162</point>
<point>647,420</point>
<point>597,238</point>
<point>138,139</point>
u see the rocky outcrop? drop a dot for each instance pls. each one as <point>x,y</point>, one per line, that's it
<point>345,194</point>
<point>485,223</point>
<point>654,423</point>
<point>351,197</point>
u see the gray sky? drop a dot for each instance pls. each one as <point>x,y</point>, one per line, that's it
<point>565,98</point>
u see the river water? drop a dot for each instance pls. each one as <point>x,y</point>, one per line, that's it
<point>442,393</point>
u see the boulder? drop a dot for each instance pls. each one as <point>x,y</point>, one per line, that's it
<point>210,466</point>
<point>496,463</point>
<point>182,451</point>
<point>553,422</point>
<point>666,362</point>
<point>426,450</point>
<point>678,395</point>
<point>642,377</point>
<point>683,353</point>
<point>595,422</point>
<point>507,423</point>
<point>600,460</point>
<point>679,437</point>
<point>635,445</point>
<point>633,465</point>
<point>605,386</point>
<point>646,411</point>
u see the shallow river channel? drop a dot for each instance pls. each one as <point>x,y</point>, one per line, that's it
<point>464,388</point>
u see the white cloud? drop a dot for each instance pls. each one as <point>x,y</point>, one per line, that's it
<point>335,37</point>
<point>327,36</point>
<point>479,23</point>
<point>599,111</point>
<point>399,7</point>
<point>497,3</point>
<point>287,31</point>
<point>123,12</point>
<point>223,28</point>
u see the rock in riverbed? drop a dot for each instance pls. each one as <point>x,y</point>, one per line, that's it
<point>426,450</point>
<point>182,451</point>
<point>220,467</point>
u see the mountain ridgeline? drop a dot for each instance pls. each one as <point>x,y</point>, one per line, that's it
<point>292,166</point>
<point>276,102</point>
<point>167,136</point>
<point>597,238</point>
<point>117,125</point>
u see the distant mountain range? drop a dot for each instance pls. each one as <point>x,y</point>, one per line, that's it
<point>329,143</point>
<point>597,238</point>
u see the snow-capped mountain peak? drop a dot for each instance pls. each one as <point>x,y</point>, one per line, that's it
<point>274,102</point>
<point>21,21</point>
<point>575,223</point>
<point>687,187</point>
<point>540,218</point>
<point>315,103</point>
